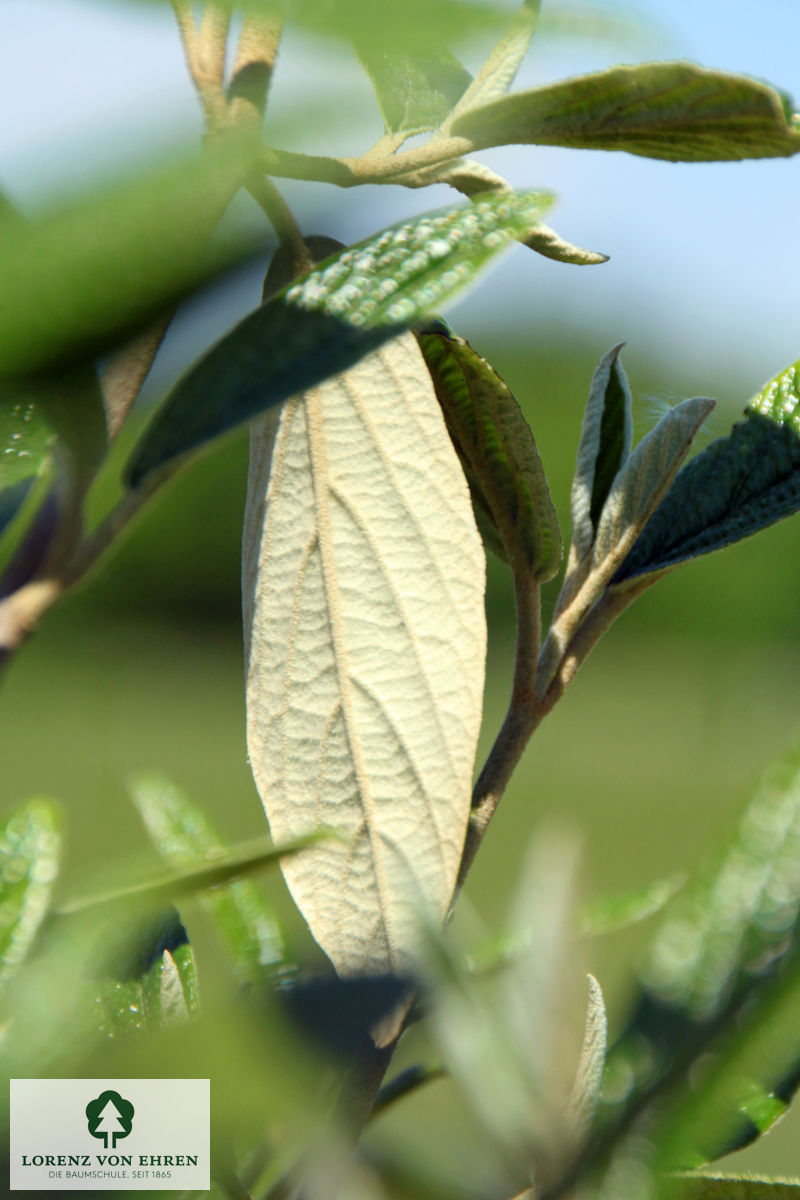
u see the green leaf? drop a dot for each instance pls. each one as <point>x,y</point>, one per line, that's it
<point>359,549</point>
<point>498,453</point>
<point>150,980</point>
<point>499,71</point>
<point>185,837</point>
<point>701,1186</point>
<point>608,915</point>
<point>327,321</point>
<point>644,479</point>
<point>415,92</point>
<point>30,849</point>
<point>604,447</point>
<point>25,437</point>
<point>736,486</point>
<point>721,944</point>
<point>670,110</point>
<point>12,500</point>
<point>120,257</point>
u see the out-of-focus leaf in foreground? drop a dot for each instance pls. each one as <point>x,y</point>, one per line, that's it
<point>185,837</point>
<point>30,848</point>
<point>150,979</point>
<point>359,550</point>
<point>326,322</point>
<point>701,1186</point>
<point>720,947</point>
<point>732,489</point>
<point>670,110</point>
<point>77,279</point>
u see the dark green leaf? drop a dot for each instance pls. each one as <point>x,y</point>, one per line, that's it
<point>30,849</point>
<point>150,980</point>
<point>603,448</point>
<point>730,1187</point>
<point>12,500</point>
<point>77,280</point>
<point>185,837</point>
<point>670,110</point>
<point>330,319</point>
<point>498,453</point>
<point>736,486</point>
<point>415,92</point>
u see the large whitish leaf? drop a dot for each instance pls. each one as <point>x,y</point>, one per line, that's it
<point>331,318</point>
<point>30,848</point>
<point>736,486</point>
<point>604,446</point>
<point>670,110</point>
<point>363,580</point>
<point>510,496</point>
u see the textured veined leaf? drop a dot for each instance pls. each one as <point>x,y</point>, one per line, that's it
<point>604,446</point>
<point>499,71</point>
<point>499,456</point>
<point>670,110</point>
<point>585,1094</point>
<point>736,486</point>
<point>363,580</point>
<point>324,323</point>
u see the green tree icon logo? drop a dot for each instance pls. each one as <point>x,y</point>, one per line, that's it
<point>109,1117</point>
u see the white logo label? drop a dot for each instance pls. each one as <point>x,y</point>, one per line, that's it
<point>110,1134</point>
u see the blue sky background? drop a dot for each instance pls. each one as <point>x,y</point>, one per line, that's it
<point>704,258</point>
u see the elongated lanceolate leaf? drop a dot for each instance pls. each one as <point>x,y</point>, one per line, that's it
<point>498,72</point>
<point>330,319</point>
<point>612,913</point>
<point>603,448</point>
<point>30,848</point>
<point>642,482</point>
<point>730,1187</point>
<point>736,486</point>
<point>499,456</point>
<point>415,92</point>
<point>185,837</point>
<point>670,110</point>
<point>363,581</point>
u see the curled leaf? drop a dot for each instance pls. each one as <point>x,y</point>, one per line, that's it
<point>497,74</point>
<point>499,456</point>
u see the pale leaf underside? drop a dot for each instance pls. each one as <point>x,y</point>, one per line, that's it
<point>363,580</point>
